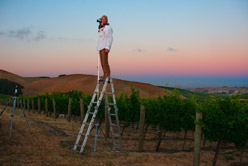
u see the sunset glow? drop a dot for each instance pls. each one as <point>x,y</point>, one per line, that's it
<point>166,38</point>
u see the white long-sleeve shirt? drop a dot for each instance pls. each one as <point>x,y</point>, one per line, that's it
<point>105,38</point>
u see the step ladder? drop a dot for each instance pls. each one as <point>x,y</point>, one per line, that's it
<point>114,126</point>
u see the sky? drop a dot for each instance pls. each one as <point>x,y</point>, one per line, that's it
<point>189,44</point>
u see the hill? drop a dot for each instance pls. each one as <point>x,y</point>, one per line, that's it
<point>82,82</point>
<point>222,90</point>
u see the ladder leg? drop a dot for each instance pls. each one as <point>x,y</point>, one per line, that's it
<point>24,114</point>
<point>110,122</point>
<point>92,118</point>
<point>116,114</point>
<point>86,118</point>
<point>116,119</point>
<point>12,116</point>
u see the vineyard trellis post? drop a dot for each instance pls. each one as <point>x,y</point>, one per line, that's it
<point>18,103</point>
<point>46,105</point>
<point>197,141</point>
<point>24,104</point>
<point>54,108</point>
<point>28,105</point>
<point>33,105</point>
<point>69,111</point>
<point>39,106</point>
<point>81,110</point>
<point>141,128</point>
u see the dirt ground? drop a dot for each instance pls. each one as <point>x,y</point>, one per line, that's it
<point>52,140</point>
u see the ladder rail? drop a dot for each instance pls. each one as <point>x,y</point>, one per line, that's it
<point>93,117</point>
<point>110,122</point>
<point>86,118</point>
<point>96,109</point>
<point>116,114</point>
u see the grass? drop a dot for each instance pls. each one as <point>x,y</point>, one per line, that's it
<point>52,141</point>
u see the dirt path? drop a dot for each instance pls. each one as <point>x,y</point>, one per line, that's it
<point>52,141</point>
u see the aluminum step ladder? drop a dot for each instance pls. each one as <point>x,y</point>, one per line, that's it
<point>114,126</point>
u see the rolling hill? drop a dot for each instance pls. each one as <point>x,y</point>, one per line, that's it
<point>82,82</point>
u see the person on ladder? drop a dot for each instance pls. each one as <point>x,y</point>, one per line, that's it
<point>105,39</point>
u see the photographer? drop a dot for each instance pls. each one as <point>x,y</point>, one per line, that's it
<point>105,38</point>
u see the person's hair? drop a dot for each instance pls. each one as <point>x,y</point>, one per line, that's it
<point>106,17</point>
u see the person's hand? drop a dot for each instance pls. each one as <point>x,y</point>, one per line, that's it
<point>106,50</point>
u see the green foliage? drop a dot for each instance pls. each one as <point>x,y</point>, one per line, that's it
<point>133,106</point>
<point>244,96</point>
<point>3,96</point>
<point>224,119</point>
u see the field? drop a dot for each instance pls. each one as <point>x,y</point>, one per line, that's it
<point>52,141</point>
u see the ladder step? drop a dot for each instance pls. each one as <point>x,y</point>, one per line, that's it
<point>113,114</point>
<point>81,134</point>
<point>116,135</point>
<point>76,151</point>
<point>111,103</point>
<point>109,93</point>
<point>91,113</point>
<point>113,124</point>
<point>117,144</point>
<point>78,145</point>
<point>86,123</point>
<point>94,102</point>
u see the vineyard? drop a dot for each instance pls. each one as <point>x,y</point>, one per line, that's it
<point>224,120</point>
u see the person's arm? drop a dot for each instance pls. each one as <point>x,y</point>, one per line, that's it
<point>109,35</point>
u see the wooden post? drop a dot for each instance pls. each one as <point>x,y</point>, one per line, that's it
<point>54,109</point>
<point>69,111</point>
<point>46,107</point>
<point>24,104</point>
<point>160,136</point>
<point>141,128</point>
<point>39,106</point>
<point>197,146</point>
<point>217,151</point>
<point>81,110</point>
<point>28,104</point>
<point>106,118</point>
<point>18,103</point>
<point>33,105</point>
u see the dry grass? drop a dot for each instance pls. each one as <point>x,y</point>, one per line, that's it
<point>52,141</point>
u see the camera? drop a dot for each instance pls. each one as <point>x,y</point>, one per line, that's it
<point>99,20</point>
<point>16,93</point>
<point>100,23</point>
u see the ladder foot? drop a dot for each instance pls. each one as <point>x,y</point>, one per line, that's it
<point>77,151</point>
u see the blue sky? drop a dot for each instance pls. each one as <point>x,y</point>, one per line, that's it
<point>154,41</point>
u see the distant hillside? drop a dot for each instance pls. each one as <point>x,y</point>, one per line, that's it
<point>222,90</point>
<point>188,93</point>
<point>81,82</point>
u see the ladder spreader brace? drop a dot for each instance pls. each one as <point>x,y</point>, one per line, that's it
<point>80,144</point>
